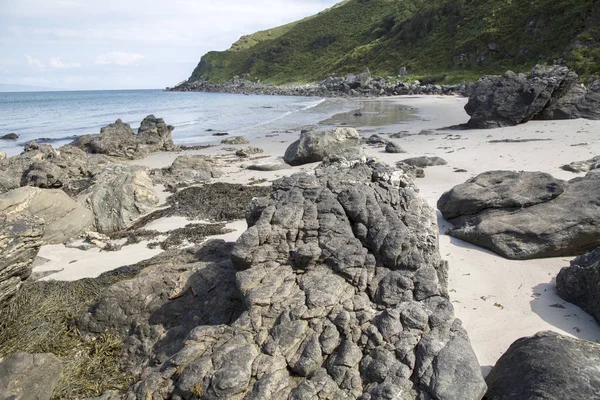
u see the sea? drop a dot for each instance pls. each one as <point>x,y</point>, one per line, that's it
<point>58,117</point>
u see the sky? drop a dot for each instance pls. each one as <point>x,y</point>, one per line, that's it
<point>127,44</point>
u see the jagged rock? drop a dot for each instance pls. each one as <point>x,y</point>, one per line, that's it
<point>411,170</point>
<point>582,166</point>
<point>119,197</point>
<point>546,366</point>
<point>548,93</point>
<point>376,140</point>
<point>580,283</point>
<point>235,140</point>
<point>187,170</point>
<point>20,240</point>
<point>63,217</point>
<point>29,376</point>
<point>248,151</point>
<point>314,146</point>
<point>345,296</point>
<point>392,147</point>
<point>9,136</point>
<point>118,140</point>
<point>525,215</point>
<point>274,165</point>
<point>425,161</point>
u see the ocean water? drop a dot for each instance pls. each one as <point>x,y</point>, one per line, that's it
<point>58,117</point>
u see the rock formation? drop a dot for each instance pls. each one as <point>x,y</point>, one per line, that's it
<point>29,376</point>
<point>186,171</point>
<point>425,161</point>
<point>392,147</point>
<point>582,166</point>
<point>63,217</point>
<point>546,366</point>
<point>524,215</point>
<point>20,240</point>
<point>344,296</point>
<point>580,283</point>
<point>118,140</point>
<point>548,93</point>
<point>313,146</point>
<point>235,140</point>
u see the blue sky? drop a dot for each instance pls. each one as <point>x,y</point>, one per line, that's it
<point>127,44</point>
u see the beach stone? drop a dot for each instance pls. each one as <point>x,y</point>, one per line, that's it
<point>314,146</point>
<point>582,166</point>
<point>392,147</point>
<point>29,376</point>
<point>344,296</point>
<point>187,170</point>
<point>63,217</point>
<point>248,151</point>
<point>376,140</point>
<point>579,283</point>
<point>9,136</point>
<point>235,140</point>
<point>546,366</point>
<point>20,241</point>
<point>2,155</point>
<point>549,92</point>
<point>274,165</point>
<point>425,161</point>
<point>525,215</point>
<point>119,197</point>
<point>118,140</point>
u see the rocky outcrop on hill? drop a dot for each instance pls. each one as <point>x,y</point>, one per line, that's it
<point>118,140</point>
<point>344,295</point>
<point>547,93</point>
<point>525,215</point>
<point>186,171</point>
<point>20,240</point>
<point>313,146</point>
<point>63,217</point>
<point>119,197</point>
<point>579,283</point>
<point>546,366</point>
<point>29,376</point>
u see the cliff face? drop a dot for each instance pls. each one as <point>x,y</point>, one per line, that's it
<point>435,40</point>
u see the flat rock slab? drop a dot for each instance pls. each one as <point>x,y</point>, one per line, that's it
<point>425,161</point>
<point>29,376</point>
<point>546,366</point>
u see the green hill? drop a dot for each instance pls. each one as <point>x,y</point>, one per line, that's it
<point>438,40</point>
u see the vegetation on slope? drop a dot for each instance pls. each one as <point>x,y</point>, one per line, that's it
<point>441,40</point>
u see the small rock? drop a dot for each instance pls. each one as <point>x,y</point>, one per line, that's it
<point>235,140</point>
<point>248,151</point>
<point>10,136</point>
<point>2,155</point>
<point>392,147</point>
<point>424,161</point>
<point>220,134</point>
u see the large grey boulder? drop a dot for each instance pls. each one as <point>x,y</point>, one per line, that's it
<point>187,170</point>
<point>345,297</point>
<point>547,93</point>
<point>546,366</point>
<point>20,241</point>
<point>119,197</point>
<point>25,376</point>
<point>425,161</point>
<point>525,215</point>
<point>579,283</point>
<point>63,217</point>
<point>118,140</point>
<point>313,146</point>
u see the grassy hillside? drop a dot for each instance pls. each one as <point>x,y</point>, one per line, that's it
<point>437,40</point>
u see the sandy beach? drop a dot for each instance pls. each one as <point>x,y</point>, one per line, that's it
<point>498,300</point>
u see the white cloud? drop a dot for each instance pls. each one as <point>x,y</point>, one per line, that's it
<point>57,62</point>
<point>35,62</point>
<point>118,58</point>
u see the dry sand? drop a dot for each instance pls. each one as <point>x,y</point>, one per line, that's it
<point>498,300</point>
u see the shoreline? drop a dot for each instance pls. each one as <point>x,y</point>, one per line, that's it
<point>478,279</point>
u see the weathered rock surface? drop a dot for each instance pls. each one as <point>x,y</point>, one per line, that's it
<point>376,141</point>
<point>25,376</point>
<point>235,140</point>
<point>546,366</point>
<point>525,215</point>
<point>548,93</point>
<point>187,170</point>
<point>579,283</point>
<point>425,161</point>
<point>392,147</point>
<point>20,240</point>
<point>314,146</point>
<point>583,166</point>
<point>248,151</point>
<point>274,165</point>
<point>118,140</point>
<point>344,293</point>
<point>9,136</point>
<point>119,197</point>
<point>63,217</point>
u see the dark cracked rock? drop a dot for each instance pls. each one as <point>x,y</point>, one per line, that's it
<point>29,376</point>
<point>345,296</point>
<point>579,283</point>
<point>313,146</point>
<point>525,215</point>
<point>546,366</point>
